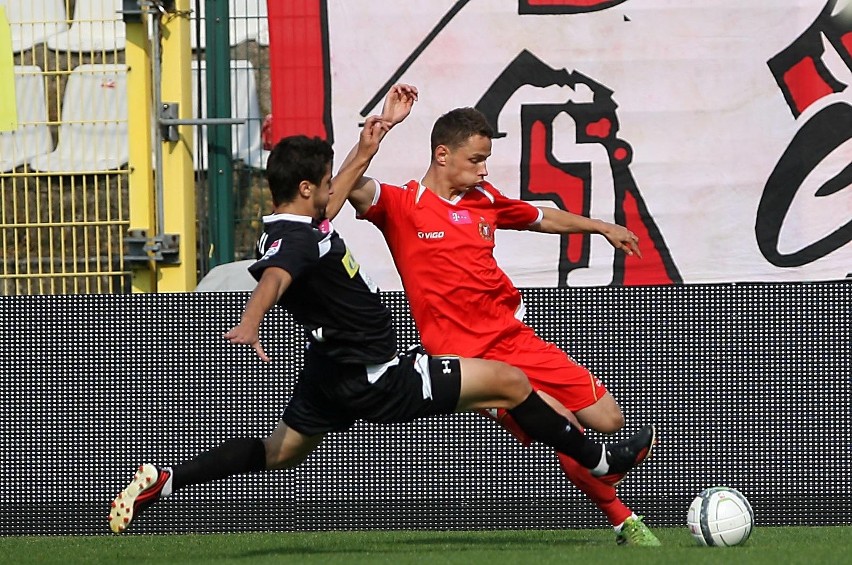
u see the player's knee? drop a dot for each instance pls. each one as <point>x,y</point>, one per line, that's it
<point>279,460</point>
<point>514,383</point>
<point>278,456</point>
<point>610,423</point>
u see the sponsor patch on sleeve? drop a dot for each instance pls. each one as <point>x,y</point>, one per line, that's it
<point>350,264</point>
<point>272,249</point>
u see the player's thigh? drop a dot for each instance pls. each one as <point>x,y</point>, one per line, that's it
<point>491,384</point>
<point>286,448</point>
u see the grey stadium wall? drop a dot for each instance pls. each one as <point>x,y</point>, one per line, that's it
<point>749,386</point>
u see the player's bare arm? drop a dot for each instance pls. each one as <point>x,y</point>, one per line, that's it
<point>273,283</point>
<point>350,176</point>
<point>350,182</point>
<point>398,103</point>
<point>559,221</point>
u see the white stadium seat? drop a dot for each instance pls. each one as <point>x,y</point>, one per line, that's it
<point>245,138</point>
<point>33,134</point>
<point>33,21</point>
<point>96,26</point>
<point>93,133</point>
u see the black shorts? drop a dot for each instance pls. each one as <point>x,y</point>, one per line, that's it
<point>330,396</point>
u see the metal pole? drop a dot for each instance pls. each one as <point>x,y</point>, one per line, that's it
<point>220,173</point>
<point>157,80</point>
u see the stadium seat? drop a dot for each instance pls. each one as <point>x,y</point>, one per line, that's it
<point>96,26</point>
<point>33,134</point>
<point>248,21</point>
<point>245,103</point>
<point>93,131</point>
<point>33,21</point>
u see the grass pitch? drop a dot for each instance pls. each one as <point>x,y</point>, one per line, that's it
<point>535,547</point>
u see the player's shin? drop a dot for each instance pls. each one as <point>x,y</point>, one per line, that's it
<point>233,457</point>
<point>546,425</point>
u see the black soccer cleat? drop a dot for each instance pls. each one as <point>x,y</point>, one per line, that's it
<point>143,491</point>
<point>629,454</point>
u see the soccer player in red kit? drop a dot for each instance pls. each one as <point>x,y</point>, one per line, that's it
<point>440,232</point>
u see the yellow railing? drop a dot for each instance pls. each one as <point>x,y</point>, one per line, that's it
<point>92,224</point>
<point>64,184</point>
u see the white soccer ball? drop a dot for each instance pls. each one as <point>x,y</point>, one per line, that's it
<point>720,516</point>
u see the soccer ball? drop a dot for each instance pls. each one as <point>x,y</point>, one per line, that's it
<point>720,516</point>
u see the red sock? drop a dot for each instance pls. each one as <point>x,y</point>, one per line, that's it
<point>505,419</point>
<point>602,494</point>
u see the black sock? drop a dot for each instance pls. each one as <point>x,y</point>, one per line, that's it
<point>548,426</point>
<point>234,457</point>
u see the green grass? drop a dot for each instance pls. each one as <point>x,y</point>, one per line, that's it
<point>531,547</point>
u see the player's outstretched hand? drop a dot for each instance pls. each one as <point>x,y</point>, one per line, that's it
<point>246,336</point>
<point>398,103</point>
<point>624,239</point>
<point>372,133</point>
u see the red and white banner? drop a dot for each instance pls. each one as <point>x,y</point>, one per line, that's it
<point>720,131</point>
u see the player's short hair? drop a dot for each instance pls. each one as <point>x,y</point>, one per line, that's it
<point>294,159</point>
<point>455,127</point>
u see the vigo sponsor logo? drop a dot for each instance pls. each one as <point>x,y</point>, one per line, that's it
<point>430,234</point>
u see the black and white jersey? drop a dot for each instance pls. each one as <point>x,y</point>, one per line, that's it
<point>336,303</point>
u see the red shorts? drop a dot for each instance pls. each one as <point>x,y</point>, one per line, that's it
<point>549,369</point>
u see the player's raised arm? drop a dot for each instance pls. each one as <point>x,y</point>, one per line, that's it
<point>350,182</point>
<point>559,221</point>
<point>350,177</point>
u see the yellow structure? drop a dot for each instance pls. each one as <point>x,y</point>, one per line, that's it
<point>8,107</point>
<point>71,220</point>
<point>178,176</point>
<point>141,172</point>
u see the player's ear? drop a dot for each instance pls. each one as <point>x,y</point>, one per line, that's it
<point>441,154</point>
<point>305,189</point>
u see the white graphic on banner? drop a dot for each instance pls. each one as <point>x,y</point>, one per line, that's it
<point>714,129</point>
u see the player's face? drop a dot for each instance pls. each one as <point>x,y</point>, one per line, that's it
<point>321,195</point>
<point>466,163</point>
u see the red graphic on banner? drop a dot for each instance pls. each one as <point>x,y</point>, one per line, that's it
<point>805,84</point>
<point>564,6</point>
<point>804,77</point>
<point>299,69</point>
<point>570,190</point>
<point>569,185</point>
<point>549,179</point>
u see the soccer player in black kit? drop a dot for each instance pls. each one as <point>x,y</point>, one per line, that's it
<point>352,367</point>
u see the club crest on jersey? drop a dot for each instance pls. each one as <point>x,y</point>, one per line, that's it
<point>485,230</point>
<point>272,249</point>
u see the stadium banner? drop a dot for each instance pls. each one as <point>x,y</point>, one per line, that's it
<point>717,130</point>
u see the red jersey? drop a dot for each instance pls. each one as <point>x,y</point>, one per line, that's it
<point>461,301</point>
